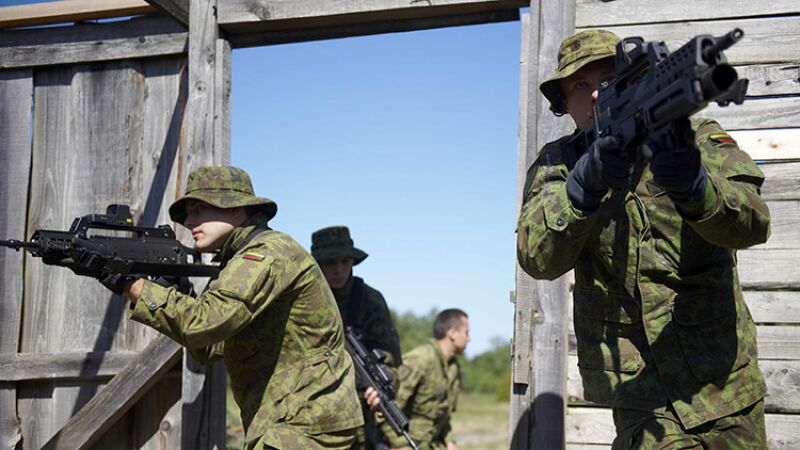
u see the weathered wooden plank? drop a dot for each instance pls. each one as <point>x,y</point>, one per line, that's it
<point>16,99</point>
<point>766,41</point>
<point>292,35</point>
<point>774,307</point>
<point>85,427</point>
<point>768,269</point>
<point>757,113</point>
<point>222,104</point>
<point>778,342</point>
<point>138,38</point>
<point>177,9</point>
<point>599,13</point>
<point>772,79</point>
<point>595,426</point>
<point>782,182</point>
<point>38,366</point>
<point>70,11</point>
<point>236,16</point>
<point>781,376</point>
<point>762,145</point>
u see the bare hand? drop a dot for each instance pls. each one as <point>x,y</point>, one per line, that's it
<point>372,398</point>
<point>132,291</point>
<point>452,446</point>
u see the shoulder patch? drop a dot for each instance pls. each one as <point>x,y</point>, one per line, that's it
<point>722,138</point>
<point>253,256</point>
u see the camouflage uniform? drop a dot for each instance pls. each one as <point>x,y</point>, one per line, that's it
<point>660,318</point>
<point>371,320</point>
<point>272,317</point>
<point>429,388</point>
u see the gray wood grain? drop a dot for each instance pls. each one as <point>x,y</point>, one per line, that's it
<point>177,9</point>
<point>757,112</point>
<point>782,182</point>
<point>85,427</point>
<point>16,99</point>
<point>772,79</point>
<point>40,366</point>
<point>599,13</point>
<point>774,307</point>
<point>137,38</point>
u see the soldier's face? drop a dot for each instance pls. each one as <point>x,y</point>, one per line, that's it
<point>210,226</point>
<point>580,89</point>
<point>460,336</point>
<point>337,270</point>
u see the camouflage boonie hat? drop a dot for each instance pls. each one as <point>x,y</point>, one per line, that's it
<point>333,242</point>
<point>223,187</point>
<point>575,52</point>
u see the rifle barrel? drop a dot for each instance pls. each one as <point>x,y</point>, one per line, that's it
<point>16,245</point>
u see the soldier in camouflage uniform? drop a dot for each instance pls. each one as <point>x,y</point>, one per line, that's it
<point>362,307</point>
<point>430,381</point>
<point>270,315</point>
<point>664,335</point>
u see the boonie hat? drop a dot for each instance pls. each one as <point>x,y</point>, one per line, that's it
<point>333,242</point>
<point>223,187</point>
<point>575,52</point>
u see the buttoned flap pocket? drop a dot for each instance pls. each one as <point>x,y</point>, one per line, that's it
<point>708,333</point>
<point>605,325</point>
<point>318,397</point>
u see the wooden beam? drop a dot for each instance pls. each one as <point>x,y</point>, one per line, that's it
<point>122,392</point>
<point>365,29</point>
<point>137,38</point>
<point>177,9</point>
<point>70,11</point>
<point>50,366</point>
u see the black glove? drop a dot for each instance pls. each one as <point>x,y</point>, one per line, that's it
<point>679,169</point>
<point>115,282</point>
<point>602,167</point>
<point>182,284</point>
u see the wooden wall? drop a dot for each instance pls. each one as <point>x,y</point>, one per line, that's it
<point>767,126</point>
<point>81,130</point>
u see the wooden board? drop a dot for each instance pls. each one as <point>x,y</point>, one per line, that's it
<point>774,307</point>
<point>783,181</point>
<point>139,38</point>
<point>70,11</point>
<point>767,144</point>
<point>595,426</point>
<point>599,13</point>
<point>16,97</point>
<point>42,366</point>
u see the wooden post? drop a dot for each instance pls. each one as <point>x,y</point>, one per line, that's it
<point>16,97</point>
<point>538,401</point>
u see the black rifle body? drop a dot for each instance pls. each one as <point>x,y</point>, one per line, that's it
<point>372,372</point>
<point>654,88</point>
<point>147,252</point>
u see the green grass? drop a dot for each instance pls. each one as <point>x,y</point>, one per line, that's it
<point>480,423</point>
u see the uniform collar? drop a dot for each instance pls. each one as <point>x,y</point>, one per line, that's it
<point>240,236</point>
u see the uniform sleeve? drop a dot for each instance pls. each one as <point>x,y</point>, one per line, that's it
<point>550,232</point>
<point>732,213</point>
<point>411,376</point>
<point>247,285</point>
<point>207,355</point>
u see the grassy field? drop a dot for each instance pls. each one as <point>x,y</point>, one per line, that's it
<point>480,423</point>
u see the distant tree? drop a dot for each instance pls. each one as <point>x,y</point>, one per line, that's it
<point>414,330</point>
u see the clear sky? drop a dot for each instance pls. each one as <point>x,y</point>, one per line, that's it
<point>410,139</point>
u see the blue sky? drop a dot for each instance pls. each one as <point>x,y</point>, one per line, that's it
<point>410,139</point>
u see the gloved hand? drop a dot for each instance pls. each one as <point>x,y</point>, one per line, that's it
<point>679,170</point>
<point>115,282</point>
<point>182,284</point>
<point>602,167</point>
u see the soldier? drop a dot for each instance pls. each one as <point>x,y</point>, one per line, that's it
<point>271,312</point>
<point>430,381</point>
<point>664,335</point>
<point>361,307</point>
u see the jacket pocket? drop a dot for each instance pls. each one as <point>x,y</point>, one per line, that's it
<point>605,325</point>
<point>707,329</point>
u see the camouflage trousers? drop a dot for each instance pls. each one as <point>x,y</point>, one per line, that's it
<point>661,430</point>
<point>338,440</point>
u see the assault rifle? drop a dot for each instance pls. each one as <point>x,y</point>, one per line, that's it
<point>372,372</point>
<point>144,252</point>
<point>654,88</point>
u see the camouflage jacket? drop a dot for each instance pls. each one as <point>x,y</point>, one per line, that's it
<point>373,320</point>
<point>658,309</point>
<point>429,388</point>
<point>272,316</point>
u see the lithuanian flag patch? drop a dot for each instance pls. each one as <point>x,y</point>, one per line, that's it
<point>722,138</point>
<point>253,256</point>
